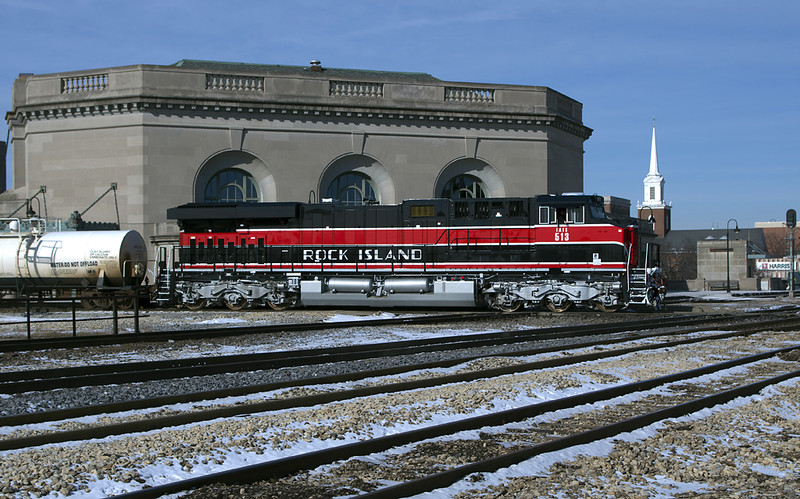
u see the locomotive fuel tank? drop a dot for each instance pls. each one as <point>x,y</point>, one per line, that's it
<point>91,258</point>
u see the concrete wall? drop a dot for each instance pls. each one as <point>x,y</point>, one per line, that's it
<point>716,258</point>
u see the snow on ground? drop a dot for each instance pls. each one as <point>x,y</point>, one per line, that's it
<point>540,465</point>
<point>157,474</point>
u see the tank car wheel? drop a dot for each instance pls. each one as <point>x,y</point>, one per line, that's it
<point>195,305</point>
<point>125,302</point>
<point>559,303</point>
<point>235,302</point>
<point>609,309</point>
<point>93,300</point>
<point>102,302</point>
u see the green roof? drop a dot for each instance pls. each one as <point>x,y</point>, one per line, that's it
<point>277,69</point>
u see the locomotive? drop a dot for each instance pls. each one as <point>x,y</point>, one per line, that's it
<point>505,253</point>
<point>36,254</point>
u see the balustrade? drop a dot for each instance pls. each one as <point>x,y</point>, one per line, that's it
<point>460,94</point>
<point>84,83</point>
<point>356,89</point>
<point>235,83</point>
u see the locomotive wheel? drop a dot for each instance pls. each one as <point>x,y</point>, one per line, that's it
<point>235,302</point>
<point>513,307</point>
<point>195,305</point>
<point>274,305</point>
<point>560,305</point>
<point>609,309</point>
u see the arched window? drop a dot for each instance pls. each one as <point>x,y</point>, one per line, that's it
<point>352,188</point>
<point>464,187</point>
<point>230,186</point>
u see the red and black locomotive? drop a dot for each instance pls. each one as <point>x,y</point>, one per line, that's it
<point>506,253</point>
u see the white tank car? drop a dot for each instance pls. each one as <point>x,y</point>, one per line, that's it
<point>85,258</point>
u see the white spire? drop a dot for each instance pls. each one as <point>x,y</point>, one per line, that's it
<point>654,182</point>
<point>654,154</point>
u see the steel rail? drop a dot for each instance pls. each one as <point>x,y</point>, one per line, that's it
<point>71,413</point>
<point>465,339</point>
<point>310,400</point>
<point>310,460</point>
<point>71,377</point>
<point>446,478</point>
<point>220,332</point>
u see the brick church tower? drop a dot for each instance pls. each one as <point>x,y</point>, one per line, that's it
<point>654,212</point>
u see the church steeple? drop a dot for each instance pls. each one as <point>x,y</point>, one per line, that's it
<point>654,155</point>
<point>654,181</point>
<point>654,212</point>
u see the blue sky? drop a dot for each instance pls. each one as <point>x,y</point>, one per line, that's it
<point>720,78</point>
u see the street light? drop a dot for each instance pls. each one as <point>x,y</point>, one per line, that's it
<point>728,249</point>
<point>651,218</point>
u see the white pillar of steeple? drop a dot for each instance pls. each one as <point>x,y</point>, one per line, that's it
<point>653,155</point>
<point>653,182</point>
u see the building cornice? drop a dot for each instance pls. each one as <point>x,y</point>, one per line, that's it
<point>292,111</point>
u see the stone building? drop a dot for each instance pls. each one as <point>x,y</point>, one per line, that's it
<point>200,131</point>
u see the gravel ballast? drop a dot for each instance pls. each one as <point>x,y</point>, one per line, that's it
<point>747,449</point>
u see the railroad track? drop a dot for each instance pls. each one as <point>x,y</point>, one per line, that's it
<point>206,332</point>
<point>106,374</point>
<point>302,462</point>
<point>154,423</point>
<point>355,394</point>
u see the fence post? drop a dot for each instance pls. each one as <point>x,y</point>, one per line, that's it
<point>114,308</point>
<point>136,311</point>
<point>28,312</point>
<point>74,319</point>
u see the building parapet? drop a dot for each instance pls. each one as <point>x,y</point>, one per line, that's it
<point>257,86</point>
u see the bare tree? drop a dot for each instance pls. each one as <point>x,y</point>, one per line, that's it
<point>679,266</point>
<point>777,240</point>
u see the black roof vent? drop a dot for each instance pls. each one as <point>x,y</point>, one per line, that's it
<point>316,65</point>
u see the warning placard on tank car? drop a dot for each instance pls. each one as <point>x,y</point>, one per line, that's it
<point>74,265</point>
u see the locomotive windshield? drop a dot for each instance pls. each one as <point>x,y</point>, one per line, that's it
<point>559,210</point>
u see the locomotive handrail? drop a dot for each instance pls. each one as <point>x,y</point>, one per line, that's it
<point>628,251</point>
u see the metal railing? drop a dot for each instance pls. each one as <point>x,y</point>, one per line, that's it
<point>115,299</point>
